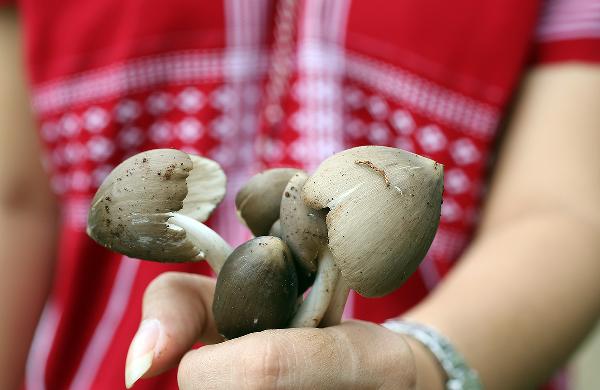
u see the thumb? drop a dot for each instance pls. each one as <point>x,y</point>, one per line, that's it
<point>176,314</point>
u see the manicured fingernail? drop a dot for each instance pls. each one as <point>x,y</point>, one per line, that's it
<point>141,351</point>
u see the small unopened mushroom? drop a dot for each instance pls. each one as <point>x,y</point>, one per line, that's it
<point>258,202</point>
<point>256,288</point>
<point>305,232</point>
<point>152,204</point>
<point>383,209</point>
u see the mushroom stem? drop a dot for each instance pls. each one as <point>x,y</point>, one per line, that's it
<point>333,315</point>
<point>314,307</point>
<point>211,246</point>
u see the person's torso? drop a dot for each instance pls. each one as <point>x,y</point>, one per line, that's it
<point>252,85</point>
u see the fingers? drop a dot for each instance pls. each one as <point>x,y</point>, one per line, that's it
<point>353,355</point>
<point>176,314</point>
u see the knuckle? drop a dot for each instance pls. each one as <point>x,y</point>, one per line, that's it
<point>160,283</point>
<point>264,369</point>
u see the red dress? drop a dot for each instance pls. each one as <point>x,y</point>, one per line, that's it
<point>262,84</point>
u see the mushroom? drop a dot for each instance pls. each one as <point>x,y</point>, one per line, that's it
<point>275,230</point>
<point>258,206</point>
<point>258,202</point>
<point>152,204</point>
<point>304,230</point>
<point>256,288</point>
<point>383,209</point>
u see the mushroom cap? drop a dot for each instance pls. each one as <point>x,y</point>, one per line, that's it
<point>384,209</point>
<point>258,202</point>
<point>256,288</point>
<point>302,228</point>
<point>130,211</point>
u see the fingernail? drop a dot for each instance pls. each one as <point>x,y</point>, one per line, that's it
<point>141,351</point>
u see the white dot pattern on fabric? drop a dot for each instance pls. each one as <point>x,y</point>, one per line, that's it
<point>100,149</point>
<point>464,152</point>
<point>70,125</point>
<point>354,97</point>
<point>127,111</point>
<point>159,103</point>
<point>431,138</point>
<point>451,210</point>
<point>95,119</point>
<point>223,98</point>
<point>403,121</point>
<point>456,181</point>
<point>80,180</point>
<point>190,100</point>
<point>378,133</point>
<point>73,153</point>
<point>130,137</point>
<point>160,132</point>
<point>377,107</point>
<point>189,130</point>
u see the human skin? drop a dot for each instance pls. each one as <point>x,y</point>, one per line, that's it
<point>523,297</point>
<point>27,213</point>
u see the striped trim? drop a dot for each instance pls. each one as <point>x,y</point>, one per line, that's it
<point>144,73</point>
<point>314,57</point>
<point>97,348</point>
<point>320,63</point>
<point>423,96</point>
<point>35,370</point>
<point>569,19</point>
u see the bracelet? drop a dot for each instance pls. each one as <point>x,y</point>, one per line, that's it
<point>460,375</point>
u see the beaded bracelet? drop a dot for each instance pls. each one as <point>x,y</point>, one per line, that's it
<point>460,375</point>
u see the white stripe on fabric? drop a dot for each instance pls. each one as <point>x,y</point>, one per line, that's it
<point>37,360</point>
<point>423,96</point>
<point>320,62</point>
<point>320,77</point>
<point>144,73</point>
<point>569,19</point>
<point>407,88</point>
<point>116,306</point>
<point>246,25</point>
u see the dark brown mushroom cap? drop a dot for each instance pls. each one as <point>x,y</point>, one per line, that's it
<point>257,203</point>
<point>302,228</point>
<point>256,288</point>
<point>130,211</point>
<point>384,211</point>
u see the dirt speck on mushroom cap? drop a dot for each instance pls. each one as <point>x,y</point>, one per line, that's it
<point>379,230</point>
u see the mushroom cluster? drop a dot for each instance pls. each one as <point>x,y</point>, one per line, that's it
<point>363,220</point>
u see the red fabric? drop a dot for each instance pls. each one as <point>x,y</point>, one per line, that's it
<point>111,78</point>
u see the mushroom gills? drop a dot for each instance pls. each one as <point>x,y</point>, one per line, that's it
<point>256,288</point>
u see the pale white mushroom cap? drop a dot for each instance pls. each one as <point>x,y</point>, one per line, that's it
<point>130,211</point>
<point>384,209</point>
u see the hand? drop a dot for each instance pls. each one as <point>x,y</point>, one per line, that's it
<point>177,314</point>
